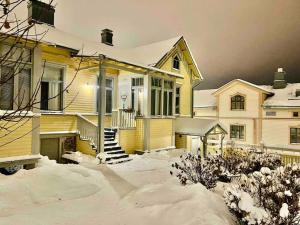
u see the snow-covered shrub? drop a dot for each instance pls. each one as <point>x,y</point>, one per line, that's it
<point>245,162</point>
<point>267,197</point>
<point>195,170</point>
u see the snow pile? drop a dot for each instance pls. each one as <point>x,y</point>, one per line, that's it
<point>137,192</point>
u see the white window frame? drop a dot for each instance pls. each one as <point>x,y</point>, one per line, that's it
<point>237,138</point>
<point>112,94</point>
<point>158,107</point>
<point>63,67</point>
<point>177,96</point>
<point>179,60</point>
<point>24,65</point>
<point>168,91</point>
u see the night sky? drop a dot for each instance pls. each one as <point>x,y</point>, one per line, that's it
<point>246,39</point>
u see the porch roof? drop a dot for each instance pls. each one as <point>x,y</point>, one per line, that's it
<point>198,127</point>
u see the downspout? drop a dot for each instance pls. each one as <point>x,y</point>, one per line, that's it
<point>101,104</point>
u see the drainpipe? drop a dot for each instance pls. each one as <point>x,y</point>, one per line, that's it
<point>101,104</point>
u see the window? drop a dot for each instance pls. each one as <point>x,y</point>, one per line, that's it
<point>176,63</point>
<point>295,135</point>
<point>156,90</point>
<point>15,70</point>
<point>168,98</point>
<point>237,132</point>
<point>24,88</point>
<point>238,102</point>
<point>295,114</point>
<point>270,113</point>
<point>108,95</point>
<point>137,82</point>
<point>52,88</point>
<point>7,88</point>
<point>177,101</point>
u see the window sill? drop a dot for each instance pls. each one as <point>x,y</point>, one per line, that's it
<point>46,112</point>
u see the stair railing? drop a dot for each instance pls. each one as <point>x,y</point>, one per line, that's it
<point>87,130</point>
<point>124,118</point>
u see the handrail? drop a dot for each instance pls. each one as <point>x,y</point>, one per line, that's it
<point>87,130</point>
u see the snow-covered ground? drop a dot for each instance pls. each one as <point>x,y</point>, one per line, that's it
<point>140,192</point>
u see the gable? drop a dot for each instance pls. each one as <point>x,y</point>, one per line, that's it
<point>243,84</point>
<point>188,65</point>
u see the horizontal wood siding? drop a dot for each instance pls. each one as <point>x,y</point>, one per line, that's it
<point>94,119</point>
<point>58,123</point>
<point>160,133</point>
<point>20,144</point>
<point>127,139</point>
<point>132,140</point>
<point>181,141</point>
<point>84,147</point>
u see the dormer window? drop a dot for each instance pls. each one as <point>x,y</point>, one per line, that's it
<point>176,63</point>
<point>238,102</point>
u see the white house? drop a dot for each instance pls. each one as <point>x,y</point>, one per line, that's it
<point>254,114</point>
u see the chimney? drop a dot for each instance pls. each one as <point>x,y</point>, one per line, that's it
<point>107,37</point>
<point>280,79</point>
<point>40,12</point>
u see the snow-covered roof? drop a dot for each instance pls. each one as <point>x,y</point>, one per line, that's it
<point>204,98</point>
<point>157,50</point>
<point>259,87</point>
<point>143,56</point>
<point>284,98</point>
<point>195,126</point>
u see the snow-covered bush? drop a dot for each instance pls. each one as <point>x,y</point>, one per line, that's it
<point>195,170</point>
<point>267,197</point>
<point>245,162</point>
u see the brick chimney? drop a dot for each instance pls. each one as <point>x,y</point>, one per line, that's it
<point>280,79</point>
<point>107,37</point>
<point>40,12</point>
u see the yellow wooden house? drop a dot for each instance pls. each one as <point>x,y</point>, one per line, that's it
<point>128,98</point>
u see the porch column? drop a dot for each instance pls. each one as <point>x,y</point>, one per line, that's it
<point>101,105</point>
<point>37,71</point>
<point>147,111</point>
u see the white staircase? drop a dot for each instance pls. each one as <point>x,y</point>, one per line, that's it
<point>88,131</point>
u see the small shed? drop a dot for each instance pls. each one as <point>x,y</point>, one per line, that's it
<point>202,128</point>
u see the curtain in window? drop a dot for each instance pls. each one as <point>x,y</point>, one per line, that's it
<point>24,88</point>
<point>7,88</point>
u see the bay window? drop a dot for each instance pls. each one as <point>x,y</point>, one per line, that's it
<point>156,90</point>
<point>168,98</point>
<point>52,88</point>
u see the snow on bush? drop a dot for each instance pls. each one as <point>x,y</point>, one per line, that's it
<point>246,161</point>
<point>195,170</point>
<point>267,197</point>
<point>217,167</point>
